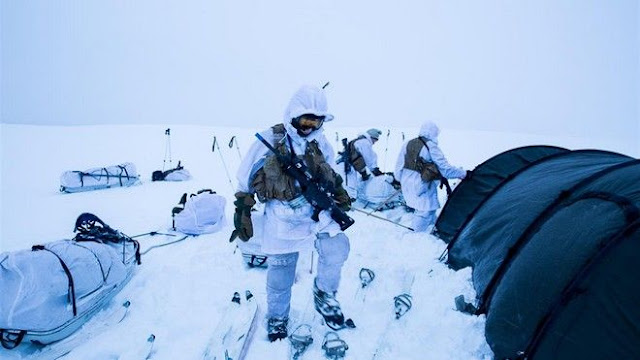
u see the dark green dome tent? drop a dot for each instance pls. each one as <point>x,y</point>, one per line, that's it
<point>488,176</point>
<point>554,252</point>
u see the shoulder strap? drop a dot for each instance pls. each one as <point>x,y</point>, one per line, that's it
<point>425,143</point>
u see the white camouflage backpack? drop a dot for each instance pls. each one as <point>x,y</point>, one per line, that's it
<point>200,213</point>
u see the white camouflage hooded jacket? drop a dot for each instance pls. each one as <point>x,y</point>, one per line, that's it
<point>420,195</point>
<point>286,228</point>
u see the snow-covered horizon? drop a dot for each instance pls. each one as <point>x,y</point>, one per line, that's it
<point>179,290</point>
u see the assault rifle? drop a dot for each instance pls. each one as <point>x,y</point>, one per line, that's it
<point>344,156</point>
<point>317,193</point>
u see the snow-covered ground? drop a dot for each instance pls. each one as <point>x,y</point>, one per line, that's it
<point>179,291</point>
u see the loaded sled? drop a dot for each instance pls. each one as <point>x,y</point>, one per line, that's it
<point>53,289</point>
<point>179,173</point>
<point>380,193</point>
<point>99,178</point>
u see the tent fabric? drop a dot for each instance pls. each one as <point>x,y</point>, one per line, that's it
<point>616,185</point>
<point>589,311</point>
<point>505,215</point>
<point>556,255</point>
<point>554,251</point>
<point>487,177</point>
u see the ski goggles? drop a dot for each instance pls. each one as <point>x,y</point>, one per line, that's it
<point>307,122</point>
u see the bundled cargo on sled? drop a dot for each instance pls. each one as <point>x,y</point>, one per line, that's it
<point>99,178</point>
<point>179,173</point>
<point>53,289</point>
<point>199,213</point>
<point>381,193</point>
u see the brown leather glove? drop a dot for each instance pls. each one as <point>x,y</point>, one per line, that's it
<point>242,217</point>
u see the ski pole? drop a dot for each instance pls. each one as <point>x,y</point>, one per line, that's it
<point>167,148</point>
<point>213,149</point>
<point>386,147</point>
<point>235,139</point>
<point>381,218</point>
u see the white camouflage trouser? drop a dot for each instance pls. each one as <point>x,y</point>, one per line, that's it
<point>332,253</point>
<point>423,220</point>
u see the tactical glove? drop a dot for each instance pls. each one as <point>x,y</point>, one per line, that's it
<point>376,172</point>
<point>343,201</point>
<point>242,217</point>
<point>340,195</point>
<point>364,175</point>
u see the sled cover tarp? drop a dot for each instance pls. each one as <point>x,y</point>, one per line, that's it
<point>48,300</point>
<point>99,178</point>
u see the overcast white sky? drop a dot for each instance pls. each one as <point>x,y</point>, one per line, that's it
<point>535,66</point>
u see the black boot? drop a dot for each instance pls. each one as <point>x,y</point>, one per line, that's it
<point>327,305</point>
<point>277,328</point>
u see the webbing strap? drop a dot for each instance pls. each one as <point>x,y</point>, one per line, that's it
<point>105,173</point>
<point>72,291</point>
<point>122,169</point>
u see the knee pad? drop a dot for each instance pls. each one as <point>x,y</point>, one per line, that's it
<point>333,250</point>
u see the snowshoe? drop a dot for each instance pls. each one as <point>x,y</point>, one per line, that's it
<point>333,346</point>
<point>366,276</point>
<point>300,339</point>
<point>277,328</point>
<point>402,304</point>
<point>327,306</point>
